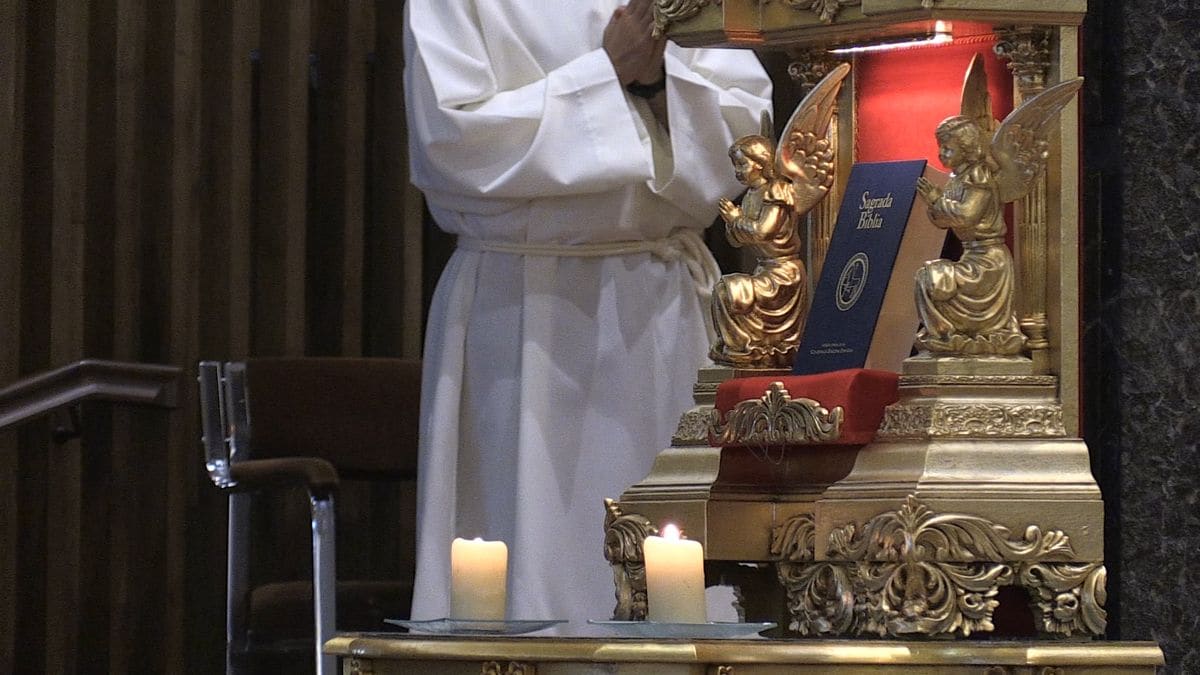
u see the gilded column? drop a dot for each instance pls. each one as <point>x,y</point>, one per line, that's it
<point>1027,50</point>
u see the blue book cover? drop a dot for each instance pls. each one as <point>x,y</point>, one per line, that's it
<point>858,266</point>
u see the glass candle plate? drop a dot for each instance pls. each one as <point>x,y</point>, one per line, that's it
<point>474,627</point>
<point>696,631</point>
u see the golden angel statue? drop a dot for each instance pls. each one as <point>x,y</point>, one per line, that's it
<point>966,305</point>
<point>758,317</point>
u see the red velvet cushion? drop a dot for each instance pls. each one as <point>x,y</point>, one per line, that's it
<point>862,394</point>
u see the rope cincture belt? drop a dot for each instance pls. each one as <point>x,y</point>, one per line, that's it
<point>682,244</point>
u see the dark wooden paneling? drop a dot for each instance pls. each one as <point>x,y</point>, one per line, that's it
<point>132,591</point>
<point>67,321</point>
<point>185,295</point>
<point>394,239</point>
<point>158,204</point>
<point>12,66</point>
<point>279,246</point>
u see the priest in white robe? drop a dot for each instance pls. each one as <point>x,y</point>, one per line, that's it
<point>568,326</point>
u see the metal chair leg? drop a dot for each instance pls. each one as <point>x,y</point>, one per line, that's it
<point>237,584</point>
<point>324,580</point>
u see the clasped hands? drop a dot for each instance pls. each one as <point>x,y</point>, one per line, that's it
<point>928,191</point>
<point>629,41</point>
<point>730,212</point>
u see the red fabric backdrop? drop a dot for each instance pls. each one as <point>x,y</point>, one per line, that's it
<point>904,94</point>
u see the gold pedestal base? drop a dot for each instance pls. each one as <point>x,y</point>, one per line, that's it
<point>971,486</point>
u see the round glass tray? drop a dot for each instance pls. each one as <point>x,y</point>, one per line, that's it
<point>472,627</point>
<point>700,631</point>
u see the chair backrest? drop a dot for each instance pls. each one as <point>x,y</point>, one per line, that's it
<point>360,414</point>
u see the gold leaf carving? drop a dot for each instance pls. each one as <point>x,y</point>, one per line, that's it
<point>929,598</point>
<point>777,419</point>
<point>794,540</point>
<point>693,428</point>
<point>982,420</point>
<point>1027,51</point>
<point>916,533</point>
<point>914,571</point>
<point>511,668</point>
<point>1070,596</point>
<point>820,598</point>
<point>826,10</point>
<point>667,12</point>
<point>623,537</point>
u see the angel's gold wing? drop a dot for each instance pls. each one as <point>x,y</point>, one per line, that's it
<point>804,155</point>
<point>976,101</point>
<point>1019,147</point>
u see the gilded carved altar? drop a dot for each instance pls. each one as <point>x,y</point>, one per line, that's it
<point>977,479</point>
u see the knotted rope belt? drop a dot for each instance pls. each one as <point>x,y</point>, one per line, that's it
<point>682,244</point>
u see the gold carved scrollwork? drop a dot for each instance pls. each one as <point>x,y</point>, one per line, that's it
<point>914,532</point>
<point>667,12</point>
<point>808,67</point>
<point>775,419</point>
<point>623,537</point>
<point>1027,51</point>
<point>359,667</point>
<point>929,598</point>
<point>827,10</point>
<point>511,668</point>
<point>693,428</point>
<point>921,572</point>
<point>1070,596</point>
<point>972,421</point>
<point>820,595</point>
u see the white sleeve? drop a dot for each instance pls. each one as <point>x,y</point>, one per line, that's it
<point>714,97</point>
<point>566,131</point>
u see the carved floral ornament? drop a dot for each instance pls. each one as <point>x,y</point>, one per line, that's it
<point>914,571</point>
<point>623,537</point>
<point>511,668</point>
<point>777,418</point>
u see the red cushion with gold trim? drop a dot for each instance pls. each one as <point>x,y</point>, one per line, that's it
<point>862,394</point>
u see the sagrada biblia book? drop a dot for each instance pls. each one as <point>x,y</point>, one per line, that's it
<point>863,314</point>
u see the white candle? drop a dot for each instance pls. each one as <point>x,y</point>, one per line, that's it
<point>674,578</point>
<point>478,579</point>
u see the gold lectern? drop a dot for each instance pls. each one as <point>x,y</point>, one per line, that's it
<point>977,489</point>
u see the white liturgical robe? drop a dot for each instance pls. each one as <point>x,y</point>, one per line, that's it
<point>561,349</point>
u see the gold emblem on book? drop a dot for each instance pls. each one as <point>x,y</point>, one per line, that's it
<point>966,305</point>
<point>758,317</point>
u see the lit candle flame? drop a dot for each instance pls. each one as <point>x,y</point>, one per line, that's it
<point>670,531</point>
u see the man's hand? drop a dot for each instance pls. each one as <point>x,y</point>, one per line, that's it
<point>629,40</point>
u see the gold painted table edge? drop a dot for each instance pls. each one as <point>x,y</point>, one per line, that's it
<point>833,653</point>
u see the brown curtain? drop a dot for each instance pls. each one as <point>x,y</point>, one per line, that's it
<point>179,179</point>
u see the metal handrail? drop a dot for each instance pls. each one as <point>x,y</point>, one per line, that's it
<point>88,379</point>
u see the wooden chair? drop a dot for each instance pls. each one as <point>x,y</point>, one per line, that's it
<point>279,423</point>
